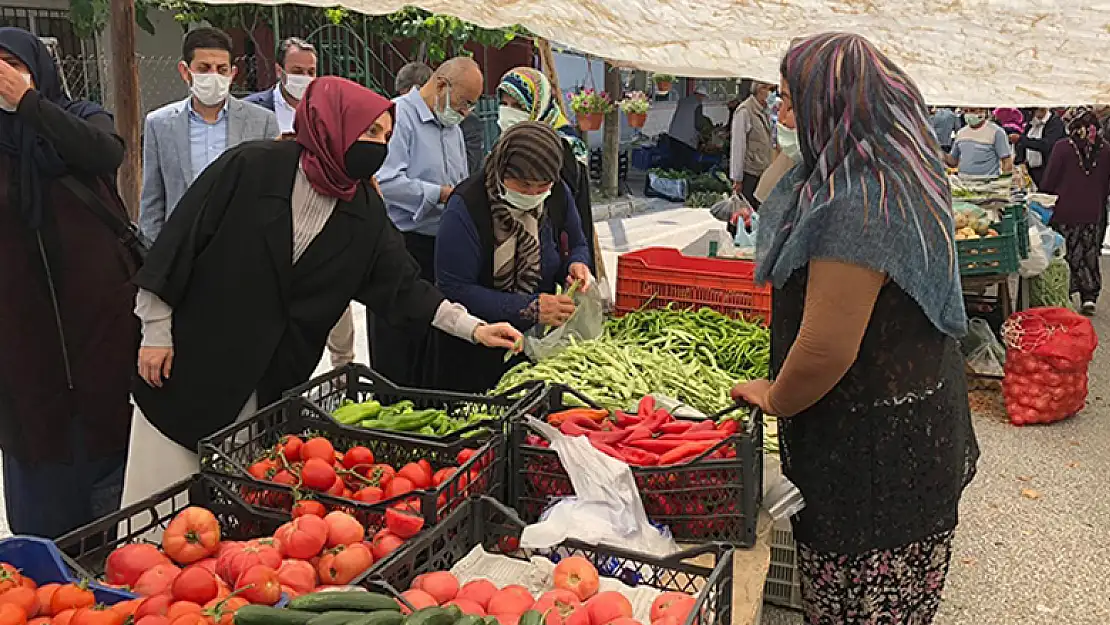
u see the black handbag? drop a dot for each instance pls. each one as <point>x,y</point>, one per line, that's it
<point>124,230</point>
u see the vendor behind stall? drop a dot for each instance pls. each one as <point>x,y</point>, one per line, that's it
<point>498,250</point>
<point>686,128</point>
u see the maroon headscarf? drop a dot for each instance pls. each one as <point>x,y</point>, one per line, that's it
<point>332,115</point>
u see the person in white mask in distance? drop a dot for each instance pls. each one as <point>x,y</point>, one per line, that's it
<point>182,138</point>
<point>296,69</point>
<point>787,150</point>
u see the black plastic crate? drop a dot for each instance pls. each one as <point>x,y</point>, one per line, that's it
<point>359,383</point>
<point>233,449</point>
<point>703,500</point>
<point>145,521</point>
<point>487,522</point>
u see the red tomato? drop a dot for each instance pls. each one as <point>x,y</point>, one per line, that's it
<point>440,584</point>
<point>298,576</point>
<point>154,606</point>
<point>465,455</point>
<point>303,537</point>
<point>196,584</point>
<point>71,596</point>
<point>606,607</point>
<point>25,598</point>
<point>416,474</point>
<point>9,577</point>
<point>259,584</point>
<point>380,475</point>
<point>194,534</point>
<point>45,595</point>
<point>318,447</point>
<point>11,614</point>
<point>153,620</point>
<point>368,494</point>
<point>284,477</point>
<point>479,591</point>
<point>290,447</point>
<point>124,565</point>
<point>97,615</point>
<point>358,457</point>
<point>64,617</point>
<point>249,556</point>
<point>192,618</point>
<point>418,599</point>
<point>441,476</point>
<point>344,563</point>
<point>337,487</point>
<point>557,604</point>
<point>404,521</point>
<point>309,506</point>
<point>343,529</point>
<point>385,542</point>
<point>157,580</point>
<point>577,575</point>
<point>512,599</point>
<point>264,469</point>
<point>222,611</point>
<point>180,608</point>
<point>317,474</point>
<point>398,486</point>
<point>675,604</point>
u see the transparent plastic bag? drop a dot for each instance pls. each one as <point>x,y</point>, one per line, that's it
<point>606,507</point>
<point>984,352</point>
<point>587,322</point>
<point>728,208</point>
<point>745,236</point>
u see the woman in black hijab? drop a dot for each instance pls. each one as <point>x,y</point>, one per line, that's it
<point>67,334</point>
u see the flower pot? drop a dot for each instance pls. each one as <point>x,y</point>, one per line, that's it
<point>590,121</point>
<point>636,120</point>
<point>663,86</point>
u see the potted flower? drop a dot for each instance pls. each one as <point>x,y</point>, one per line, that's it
<point>663,83</point>
<point>635,106</point>
<point>590,107</point>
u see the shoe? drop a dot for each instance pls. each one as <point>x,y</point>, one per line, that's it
<point>1088,308</point>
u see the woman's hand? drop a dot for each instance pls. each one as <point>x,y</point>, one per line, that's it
<point>13,86</point>
<point>555,309</point>
<point>755,393</point>
<point>579,272</point>
<point>155,364</point>
<point>501,335</point>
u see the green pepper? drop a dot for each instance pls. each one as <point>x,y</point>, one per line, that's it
<point>352,413</point>
<point>413,421</point>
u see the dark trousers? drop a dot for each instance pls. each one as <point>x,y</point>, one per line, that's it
<point>400,355</point>
<point>51,499</point>
<point>748,187</point>
<point>683,157</point>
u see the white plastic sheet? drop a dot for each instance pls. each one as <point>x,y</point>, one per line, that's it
<point>975,52</point>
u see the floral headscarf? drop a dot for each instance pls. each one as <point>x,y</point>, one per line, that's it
<point>1083,132</point>
<point>533,92</point>
<point>871,188</point>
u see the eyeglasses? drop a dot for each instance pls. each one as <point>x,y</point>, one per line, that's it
<point>467,105</point>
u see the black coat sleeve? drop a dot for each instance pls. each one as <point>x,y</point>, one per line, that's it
<point>88,146</point>
<point>1053,132</point>
<point>393,289</point>
<point>191,226</point>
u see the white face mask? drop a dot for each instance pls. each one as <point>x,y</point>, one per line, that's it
<point>8,106</point>
<point>507,117</point>
<point>297,84</point>
<point>210,89</point>
<point>523,201</point>
<point>447,115</point>
<point>788,142</point>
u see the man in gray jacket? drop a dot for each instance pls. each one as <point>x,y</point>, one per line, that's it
<point>752,142</point>
<point>182,138</point>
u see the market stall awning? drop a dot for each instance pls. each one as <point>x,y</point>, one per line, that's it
<point>1046,52</point>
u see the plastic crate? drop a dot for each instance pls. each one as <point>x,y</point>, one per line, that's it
<point>146,520</point>
<point>41,560</point>
<point>701,501</point>
<point>657,276</point>
<point>484,521</point>
<point>783,587</point>
<point>998,254</point>
<point>359,383</point>
<point>230,451</point>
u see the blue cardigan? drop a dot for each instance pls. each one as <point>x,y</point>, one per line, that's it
<point>459,263</point>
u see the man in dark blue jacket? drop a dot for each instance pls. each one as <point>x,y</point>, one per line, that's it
<point>296,68</point>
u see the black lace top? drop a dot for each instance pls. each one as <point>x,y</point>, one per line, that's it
<point>883,458</point>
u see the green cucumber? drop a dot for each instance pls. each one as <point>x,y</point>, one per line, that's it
<point>266,615</point>
<point>381,617</point>
<point>353,601</point>
<point>470,619</point>
<point>431,616</point>
<point>337,618</point>
<point>531,617</point>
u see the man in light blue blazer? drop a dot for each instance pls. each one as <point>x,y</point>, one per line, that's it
<point>182,138</point>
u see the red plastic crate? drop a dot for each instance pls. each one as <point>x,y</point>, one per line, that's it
<point>655,277</point>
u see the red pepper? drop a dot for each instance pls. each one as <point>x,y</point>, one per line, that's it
<point>639,457</point>
<point>573,429</point>
<point>583,422</point>
<point>656,445</point>
<point>646,407</point>
<point>609,450</point>
<point>608,438</point>
<point>729,427</point>
<point>676,427</point>
<point>712,435</point>
<point>685,452</point>
<point>637,433</point>
<point>626,420</point>
<point>704,425</point>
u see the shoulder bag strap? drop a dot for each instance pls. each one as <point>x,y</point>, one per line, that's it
<point>125,231</point>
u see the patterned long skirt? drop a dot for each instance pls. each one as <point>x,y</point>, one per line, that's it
<point>1084,247</point>
<point>900,586</point>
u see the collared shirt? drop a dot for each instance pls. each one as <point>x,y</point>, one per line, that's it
<point>283,111</point>
<point>424,156</point>
<point>979,151</point>
<point>207,141</point>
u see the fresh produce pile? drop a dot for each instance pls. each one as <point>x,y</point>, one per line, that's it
<point>1049,352</point>
<point>697,183</point>
<point>331,607</point>
<point>1052,288</point>
<point>23,601</point>
<point>404,417</point>
<point>704,199</point>
<point>574,600</point>
<point>651,437</point>
<point>196,578</point>
<point>314,466</point>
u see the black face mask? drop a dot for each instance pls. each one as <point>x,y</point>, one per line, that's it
<point>364,159</point>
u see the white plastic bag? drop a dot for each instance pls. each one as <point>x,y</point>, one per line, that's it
<point>745,237</point>
<point>1043,243</point>
<point>606,508</point>
<point>587,322</point>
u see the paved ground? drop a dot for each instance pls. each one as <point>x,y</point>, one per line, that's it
<point>1032,545</point>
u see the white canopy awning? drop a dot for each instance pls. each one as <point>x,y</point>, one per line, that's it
<point>969,52</point>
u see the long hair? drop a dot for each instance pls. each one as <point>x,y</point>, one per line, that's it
<point>858,115</point>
